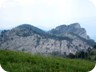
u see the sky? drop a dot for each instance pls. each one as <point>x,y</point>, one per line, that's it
<point>47,14</point>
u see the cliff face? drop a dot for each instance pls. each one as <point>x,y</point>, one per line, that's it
<point>62,40</point>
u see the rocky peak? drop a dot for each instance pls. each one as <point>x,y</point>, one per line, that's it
<point>28,27</point>
<point>75,25</point>
<point>74,28</point>
<point>61,27</point>
<point>26,30</point>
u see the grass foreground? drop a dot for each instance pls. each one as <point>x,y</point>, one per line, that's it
<point>13,61</point>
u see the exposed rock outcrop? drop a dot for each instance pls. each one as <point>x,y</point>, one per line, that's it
<point>73,29</point>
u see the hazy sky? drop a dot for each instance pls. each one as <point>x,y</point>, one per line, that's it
<point>47,14</point>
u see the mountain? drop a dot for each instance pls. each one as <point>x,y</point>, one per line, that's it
<point>61,41</point>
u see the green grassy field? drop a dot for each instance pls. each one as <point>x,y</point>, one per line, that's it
<point>13,61</point>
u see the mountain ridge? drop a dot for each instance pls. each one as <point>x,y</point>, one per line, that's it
<point>28,38</point>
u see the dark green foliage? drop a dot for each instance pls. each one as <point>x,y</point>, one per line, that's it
<point>71,55</point>
<point>90,54</point>
<point>13,61</point>
<point>3,36</point>
<point>81,55</point>
<point>94,46</point>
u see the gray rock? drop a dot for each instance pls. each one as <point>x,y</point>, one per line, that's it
<point>73,29</point>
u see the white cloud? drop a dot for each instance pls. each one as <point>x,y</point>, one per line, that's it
<point>25,3</point>
<point>2,2</point>
<point>94,2</point>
